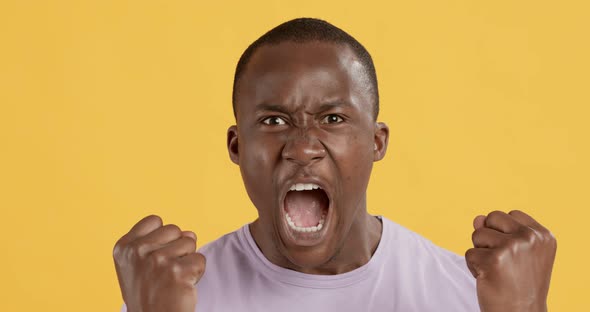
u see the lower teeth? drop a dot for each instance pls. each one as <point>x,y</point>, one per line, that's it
<point>310,229</point>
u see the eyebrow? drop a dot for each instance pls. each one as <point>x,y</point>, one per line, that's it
<point>330,105</point>
<point>279,108</point>
<point>271,107</point>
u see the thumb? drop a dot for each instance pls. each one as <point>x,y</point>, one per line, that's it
<point>479,222</point>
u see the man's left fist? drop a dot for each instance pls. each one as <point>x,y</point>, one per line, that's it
<point>512,260</point>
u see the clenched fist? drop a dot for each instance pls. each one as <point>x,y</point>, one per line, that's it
<point>157,267</point>
<point>512,261</point>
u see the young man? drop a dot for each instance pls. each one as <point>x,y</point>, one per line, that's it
<point>306,136</point>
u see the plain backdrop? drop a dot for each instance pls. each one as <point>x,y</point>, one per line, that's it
<point>112,110</point>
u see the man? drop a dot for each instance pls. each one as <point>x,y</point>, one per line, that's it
<point>306,104</point>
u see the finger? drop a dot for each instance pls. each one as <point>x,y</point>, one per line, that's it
<point>479,222</point>
<point>158,238</point>
<point>485,237</point>
<point>502,222</point>
<point>476,259</point>
<point>142,228</point>
<point>177,248</point>
<point>190,234</point>
<point>194,265</point>
<point>525,219</point>
<point>532,223</point>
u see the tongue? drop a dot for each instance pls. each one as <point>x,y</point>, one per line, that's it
<point>305,208</point>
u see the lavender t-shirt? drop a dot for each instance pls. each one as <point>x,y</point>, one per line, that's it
<point>406,273</point>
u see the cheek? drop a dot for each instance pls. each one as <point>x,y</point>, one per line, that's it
<point>354,149</point>
<point>354,158</point>
<point>257,163</point>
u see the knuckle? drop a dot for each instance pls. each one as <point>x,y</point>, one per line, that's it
<point>136,251</point>
<point>158,258</point>
<point>544,232</point>
<point>552,238</point>
<point>548,238</point>
<point>528,234</point>
<point>118,249</point>
<point>547,235</point>
<point>495,258</point>
<point>133,250</point>
<point>513,246</point>
<point>176,270</point>
<point>553,242</point>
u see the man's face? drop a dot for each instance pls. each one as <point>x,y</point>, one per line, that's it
<point>305,120</point>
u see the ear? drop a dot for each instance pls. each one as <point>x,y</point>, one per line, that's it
<point>381,140</point>
<point>232,144</point>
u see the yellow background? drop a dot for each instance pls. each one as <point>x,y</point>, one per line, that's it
<point>112,110</point>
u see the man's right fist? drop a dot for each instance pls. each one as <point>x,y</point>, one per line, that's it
<point>158,266</point>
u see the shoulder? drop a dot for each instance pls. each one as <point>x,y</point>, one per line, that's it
<point>229,255</point>
<point>228,250</point>
<point>418,247</point>
<point>229,242</point>
<point>434,274</point>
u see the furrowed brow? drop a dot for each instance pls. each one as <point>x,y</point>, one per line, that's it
<point>271,107</point>
<point>330,105</point>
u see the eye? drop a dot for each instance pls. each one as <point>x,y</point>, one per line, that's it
<point>332,119</point>
<point>274,121</point>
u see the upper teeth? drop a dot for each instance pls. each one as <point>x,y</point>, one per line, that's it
<point>304,187</point>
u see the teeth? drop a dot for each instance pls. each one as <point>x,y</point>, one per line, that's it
<point>304,187</point>
<point>310,229</point>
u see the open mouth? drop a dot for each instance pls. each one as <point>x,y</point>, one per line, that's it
<point>306,208</point>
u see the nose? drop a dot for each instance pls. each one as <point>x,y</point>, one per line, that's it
<point>303,149</point>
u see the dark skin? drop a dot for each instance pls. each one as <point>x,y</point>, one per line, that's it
<point>512,260</point>
<point>305,115</point>
<point>309,119</point>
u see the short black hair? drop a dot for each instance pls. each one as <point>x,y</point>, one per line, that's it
<point>302,30</point>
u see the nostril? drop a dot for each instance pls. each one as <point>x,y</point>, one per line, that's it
<point>303,145</point>
<point>303,151</point>
<point>318,153</point>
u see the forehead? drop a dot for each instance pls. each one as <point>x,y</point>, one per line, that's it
<point>294,74</point>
